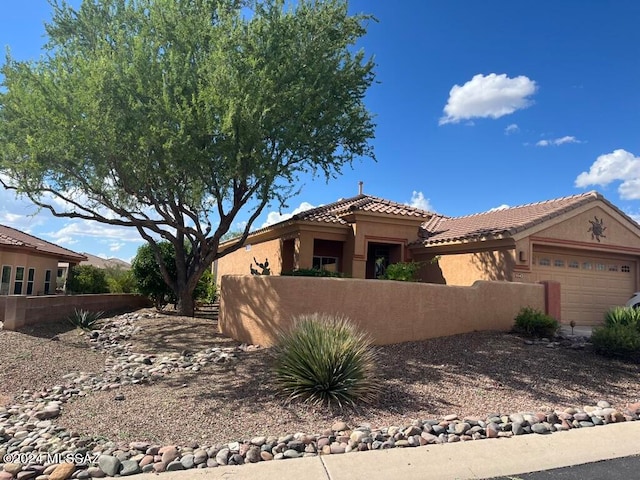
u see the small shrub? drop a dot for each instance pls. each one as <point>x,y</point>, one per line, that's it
<point>85,320</point>
<point>535,323</point>
<point>402,271</point>
<point>313,272</point>
<point>324,359</point>
<point>626,316</point>
<point>617,341</point>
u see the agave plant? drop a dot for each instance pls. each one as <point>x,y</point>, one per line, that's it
<point>85,319</point>
<point>324,359</point>
<point>626,316</point>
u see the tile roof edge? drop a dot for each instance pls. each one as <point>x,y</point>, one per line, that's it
<point>71,252</point>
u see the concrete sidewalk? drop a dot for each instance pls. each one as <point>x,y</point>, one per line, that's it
<point>456,461</point>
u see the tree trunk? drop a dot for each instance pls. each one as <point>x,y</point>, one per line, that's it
<point>186,303</point>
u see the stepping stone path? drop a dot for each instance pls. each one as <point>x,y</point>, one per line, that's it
<point>32,446</point>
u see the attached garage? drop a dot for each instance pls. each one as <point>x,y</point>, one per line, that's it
<point>583,242</point>
<point>590,283</point>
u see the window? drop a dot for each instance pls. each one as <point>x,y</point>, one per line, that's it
<point>587,266</point>
<point>558,263</point>
<point>573,264</point>
<point>613,268</point>
<point>330,264</point>
<point>6,280</point>
<point>625,268</point>
<point>19,281</point>
<point>30,276</point>
<point>47,281</point>
<point>601,267</point>
<point>545,262</point>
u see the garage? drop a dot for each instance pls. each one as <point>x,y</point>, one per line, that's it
<point>590,284</point>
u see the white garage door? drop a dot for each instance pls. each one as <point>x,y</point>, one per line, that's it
<point>590,285</point>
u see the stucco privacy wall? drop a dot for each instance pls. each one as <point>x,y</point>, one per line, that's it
<point>252,308</point>
<point>20,310</point>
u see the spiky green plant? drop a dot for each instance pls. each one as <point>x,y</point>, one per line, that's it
<point>84,319</point>
<point>325,359</point>
<point>626,316</point>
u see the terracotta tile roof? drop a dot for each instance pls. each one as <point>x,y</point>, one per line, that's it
<point>500,223</point>
<point>16,238</point>
<point>334,212</point>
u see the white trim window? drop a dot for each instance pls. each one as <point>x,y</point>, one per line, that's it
<point>5,281</point>
<point>18,282</point>
<point>47,282</point>
<point>31,275</point>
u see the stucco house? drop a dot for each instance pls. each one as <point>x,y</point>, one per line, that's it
<point>584,242</point>
<point>29,264</point>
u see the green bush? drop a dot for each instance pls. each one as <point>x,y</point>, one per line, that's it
<point>206,291</point>
<point>312,272</point>
<point>535,323</point>
<point>87,279</point>
<point>120,280</point>
<point>84,319</point>
<point>402,271</point>
<point>324,359</point>
<point>626,316</point>
<point>617,341</point>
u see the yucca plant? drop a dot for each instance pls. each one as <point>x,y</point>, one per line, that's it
<point>626,316</point>
<point>324,360</point>
<point>85,319</point>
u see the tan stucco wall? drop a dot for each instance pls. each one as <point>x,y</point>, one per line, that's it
<point>240,261</point>
<point>252,308</point>
<point>466,268</point>
<point>20,310</point>
<point>619,234</point>
<point>28,260</point>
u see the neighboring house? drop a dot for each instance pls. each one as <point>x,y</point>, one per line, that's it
<point>29,264</point>
<point>583,241</point>
<point>98,262</point>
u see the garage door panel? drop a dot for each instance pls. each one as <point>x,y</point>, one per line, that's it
<point>590,285</point>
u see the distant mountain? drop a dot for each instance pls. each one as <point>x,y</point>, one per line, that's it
<point>105,262</point>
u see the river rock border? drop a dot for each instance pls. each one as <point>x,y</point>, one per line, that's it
<point>33,447</point>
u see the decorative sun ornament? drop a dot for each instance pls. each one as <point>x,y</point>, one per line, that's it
<point>597,229</point>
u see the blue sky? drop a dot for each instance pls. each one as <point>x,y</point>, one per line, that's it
<point>477,104</point>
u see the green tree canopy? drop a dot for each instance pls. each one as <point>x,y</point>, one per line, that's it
<point>170,116</point>
<point>87,279</point>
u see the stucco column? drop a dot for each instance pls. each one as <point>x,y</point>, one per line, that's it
<point>304,251</point>
<point>14,312</point>
<point>552,302</point>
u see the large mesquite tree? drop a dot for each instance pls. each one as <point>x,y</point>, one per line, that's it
<point>171,116</point>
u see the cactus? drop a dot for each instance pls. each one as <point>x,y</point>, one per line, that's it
<point>263,268</point>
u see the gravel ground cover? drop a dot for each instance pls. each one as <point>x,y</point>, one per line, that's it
<point>465,375</point>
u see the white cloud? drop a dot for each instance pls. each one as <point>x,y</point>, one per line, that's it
<point>491,96</point>
<point>66,240</point>
<point>115,246</point>
<point>618,165</point>
<point>504,206</point>
<point>418,201</point>
<point>511,129</point>
<point>275,217</point>
<point>558,141</point>
<point>74,230</point>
